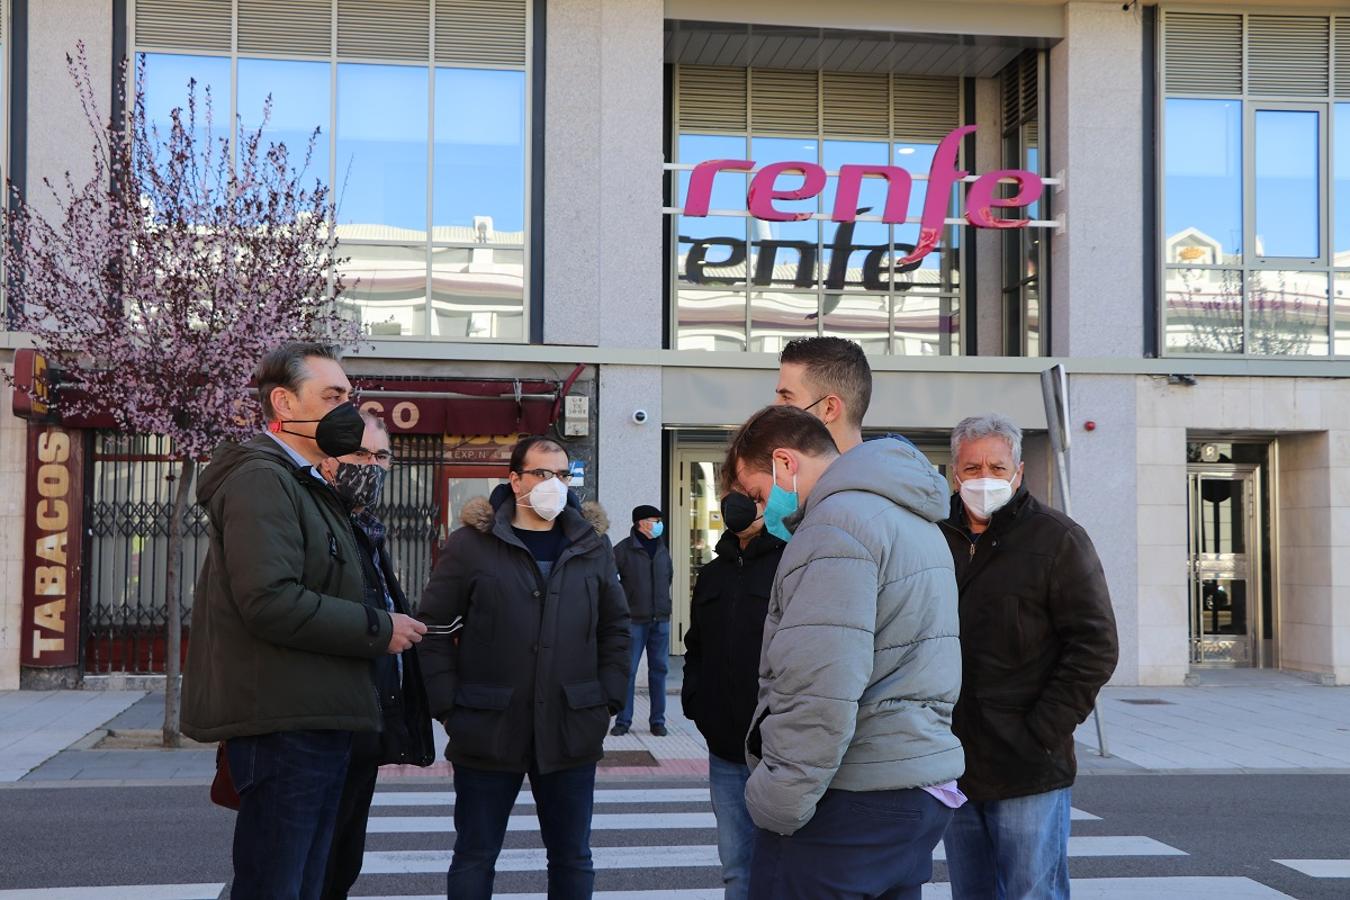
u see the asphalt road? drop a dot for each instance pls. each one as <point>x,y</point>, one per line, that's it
<point>1229,825</point>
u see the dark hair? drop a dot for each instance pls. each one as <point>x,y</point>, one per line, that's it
<point>285,367</point>
<point>769,429</point>
<point>526,444</point>
<point>836,366</point>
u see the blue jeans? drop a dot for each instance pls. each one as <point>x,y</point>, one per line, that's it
<point>289,784</point>
<point>859,845</point>
<point>483,802</point>
<point>1011,849</point>
<point>735,830</point>
<point>654,637</point>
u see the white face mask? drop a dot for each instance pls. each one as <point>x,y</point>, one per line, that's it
<point>548,499</point>
<point>985,496</point>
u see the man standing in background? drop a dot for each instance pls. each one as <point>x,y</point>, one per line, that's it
<point>646,572</point>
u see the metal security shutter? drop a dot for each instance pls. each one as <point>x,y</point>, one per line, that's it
<point>1288,56</point>
<point>295,28</point>
<point>925,109</point>
<point>184,25</point>
<point>481,32</point>
<point>784,101</point>
<point>384,29</point>
<point>1202,53</point>
<point>712,98</point>
<point>856,105</point>
<point>1343,58</point>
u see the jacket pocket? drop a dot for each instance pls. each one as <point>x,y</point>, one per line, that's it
<point>585,719</point>
<point>1006,723</point>
<point>477,725</point>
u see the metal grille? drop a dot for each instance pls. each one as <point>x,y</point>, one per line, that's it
<point>130,506</point>
<point>481,32</point>
<point>926,108</point>
<point>410,510</point>
<point>1288,55</point>
<point>713,98</point>
<point>384,29</point>
<point>784,101</point>
<point>297,28</point>
<point>1202,53</point>
<point>183,25</point>
<point>856,105</point>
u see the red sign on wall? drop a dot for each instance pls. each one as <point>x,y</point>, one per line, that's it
<point>50,630</point>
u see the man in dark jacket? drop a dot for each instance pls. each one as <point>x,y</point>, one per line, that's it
<point>721,671</point>
<point>646,572</point>
<point>405,738</point>
<point>529,683</point>
<point>1038,640</point>
<point>279,666</point>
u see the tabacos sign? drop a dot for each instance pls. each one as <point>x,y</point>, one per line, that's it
<point>982,198</point>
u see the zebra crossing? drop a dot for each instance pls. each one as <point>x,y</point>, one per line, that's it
<point>659,843</point>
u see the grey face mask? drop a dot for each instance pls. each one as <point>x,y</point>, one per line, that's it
<point>359,486</point>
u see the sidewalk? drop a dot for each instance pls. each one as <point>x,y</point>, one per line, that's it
<point>1230,722</point>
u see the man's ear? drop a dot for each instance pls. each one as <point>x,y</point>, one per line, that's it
<point>834,409</point>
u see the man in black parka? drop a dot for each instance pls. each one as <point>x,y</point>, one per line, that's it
<point>646,572</point>
<point>721,671</point>
<point>529,683</point>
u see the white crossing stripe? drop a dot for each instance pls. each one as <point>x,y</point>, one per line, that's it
<point>1123,845</point>
<point>1078,815</point>
<point>447,798</point>
<point>1319,868</point>
<point>1206,887</point>
<point>395,862</point>
<point>120,892</point>
<point>686,894</point>
<point>599,822</point>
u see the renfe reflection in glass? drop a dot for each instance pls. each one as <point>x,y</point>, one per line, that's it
<point>1203,182</point>
<point>1287,183</point>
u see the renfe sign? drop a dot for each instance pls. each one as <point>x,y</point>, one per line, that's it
<point>981,200</point>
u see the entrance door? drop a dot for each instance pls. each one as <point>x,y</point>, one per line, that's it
<point>1225,565</point>
<point>697,527</point>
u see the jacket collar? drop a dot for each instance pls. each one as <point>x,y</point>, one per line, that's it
<point>762,545</point>
<point>579,532</point>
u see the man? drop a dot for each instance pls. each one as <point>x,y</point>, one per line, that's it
<point>646,573</point>
<point>405,738</point>
<point>830,378</point>
<point>860,664</point>
<point>721,671</point>
<point>279,666</point>
<point>529,683</point>
<point>1038,640</point>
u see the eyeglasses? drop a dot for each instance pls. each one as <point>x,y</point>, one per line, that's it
<point>563,475</point>
<point>382,457</point>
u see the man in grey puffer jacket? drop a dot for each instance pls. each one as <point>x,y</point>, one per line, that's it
<point>852,751</point>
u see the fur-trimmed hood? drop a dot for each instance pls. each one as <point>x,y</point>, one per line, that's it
<point>480,513</point>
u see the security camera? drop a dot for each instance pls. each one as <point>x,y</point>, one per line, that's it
<point>639,417</point>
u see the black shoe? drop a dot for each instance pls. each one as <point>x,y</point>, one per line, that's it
<point>659,731</point>
<point>619,730</point>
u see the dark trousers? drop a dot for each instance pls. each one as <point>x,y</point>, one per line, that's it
<point>289,784</point>
<point>876,845</point>
<point>483,802</point>
<point>349,835</point>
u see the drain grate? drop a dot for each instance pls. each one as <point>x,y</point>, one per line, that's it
<point>1148,701</point>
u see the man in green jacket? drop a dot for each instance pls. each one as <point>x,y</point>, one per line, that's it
<point>280,662</point>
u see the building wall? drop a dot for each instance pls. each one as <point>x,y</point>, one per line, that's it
<point>630,454</point>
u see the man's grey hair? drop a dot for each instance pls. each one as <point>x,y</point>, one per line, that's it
<point>988,425</point>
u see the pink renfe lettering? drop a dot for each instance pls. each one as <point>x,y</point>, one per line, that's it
<point>701,182</point>
<point>763,193</point>
<point>981,201</point>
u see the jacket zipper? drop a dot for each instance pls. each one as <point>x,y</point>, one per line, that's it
<point>973,541</point>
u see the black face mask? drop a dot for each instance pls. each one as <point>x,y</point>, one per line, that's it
<point>359,486</point>
<point>339,432</point>
<point>738,512</point>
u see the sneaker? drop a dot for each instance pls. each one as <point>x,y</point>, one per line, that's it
<point>619,730</point>
<point>659,731</point>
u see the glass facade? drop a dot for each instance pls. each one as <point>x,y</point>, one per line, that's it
<point>428,169</point>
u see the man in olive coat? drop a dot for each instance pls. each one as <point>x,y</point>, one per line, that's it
<point>279,666</point>
<point>528,684</point>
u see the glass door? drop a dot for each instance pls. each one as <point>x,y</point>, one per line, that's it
<point>1225,562</point>
<point>697,527</point>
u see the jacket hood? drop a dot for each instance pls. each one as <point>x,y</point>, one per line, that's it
<point>891,469</point>
<point>481,512</point>
<point>230,455</point>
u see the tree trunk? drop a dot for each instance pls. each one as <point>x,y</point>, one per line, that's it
<point>173,607</point>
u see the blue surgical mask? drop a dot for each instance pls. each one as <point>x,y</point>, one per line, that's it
<point>657,529</point>
<point>779,506</point>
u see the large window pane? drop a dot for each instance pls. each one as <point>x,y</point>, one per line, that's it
<point>299,92</point>
<point>785,254</point>
<point>864,318</point>
<point>710,320</point>
<point>926,323</point>
<point>711,251</point>
<point>166,77</point>
<point>1287,313</point>
<point>728,188</point>
<point>1287,184</point>
<point>1341,173</point>
<point>862,247</point>
<point>386,286</point>
<point>382,151</point>
<point>1341,289</point>
<point>1203,182</point>
<point>778,317</point>
<point>478,293</point>
<point>480,156</point>
<point>1204,311</point>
